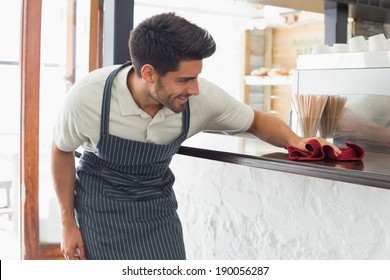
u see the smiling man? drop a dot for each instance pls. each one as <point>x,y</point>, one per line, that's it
<point>130,120</point>
<point>171,90</point>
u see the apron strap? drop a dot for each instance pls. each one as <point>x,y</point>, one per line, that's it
<point>186,119</point>
<point>105,118</point>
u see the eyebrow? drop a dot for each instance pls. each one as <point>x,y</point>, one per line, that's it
<point>187,78</point>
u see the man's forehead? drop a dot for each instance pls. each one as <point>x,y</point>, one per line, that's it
<point>189,68</point>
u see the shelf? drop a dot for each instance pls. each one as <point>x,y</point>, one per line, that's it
<point>343,74</point>
<point>358,60</point>
<point>342,81</point>
<point>268,81</point>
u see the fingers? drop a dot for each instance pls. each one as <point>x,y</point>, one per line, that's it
<point>323,142</point>
<point>71,256</point>
<point>337,151</point>
<point>74,253</point>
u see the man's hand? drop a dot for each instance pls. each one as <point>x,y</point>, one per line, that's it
<point>72,245</point>
<point>322,141</point>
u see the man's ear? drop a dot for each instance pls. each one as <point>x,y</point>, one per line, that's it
<point>148,73</point>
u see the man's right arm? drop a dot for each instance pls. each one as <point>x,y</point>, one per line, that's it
<point>64,173</point>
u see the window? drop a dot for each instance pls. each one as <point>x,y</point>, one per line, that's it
<point>10,19</point>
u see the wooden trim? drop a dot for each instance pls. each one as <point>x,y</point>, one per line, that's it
<point>50,251</point>
<point>96,35</point>
<point>29,150</point>
<point>246,41</point>
<point>71,43</point>
<point>268,33</point>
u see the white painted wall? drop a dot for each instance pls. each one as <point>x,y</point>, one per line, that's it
<point>236,212</point>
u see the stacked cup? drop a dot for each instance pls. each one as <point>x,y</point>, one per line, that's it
<point>377,43</point>
<point>320,48</point>
<point>355,44</point>
<point>339,48</point>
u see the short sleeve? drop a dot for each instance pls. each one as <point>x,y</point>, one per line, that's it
<point>215,109</point>
<point>67,131</point>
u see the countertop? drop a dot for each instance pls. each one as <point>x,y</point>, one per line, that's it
<point>244,149</point>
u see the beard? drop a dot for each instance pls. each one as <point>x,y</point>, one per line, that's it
<point>168,101</point>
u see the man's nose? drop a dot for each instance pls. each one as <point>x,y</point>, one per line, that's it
<point>193,87</point>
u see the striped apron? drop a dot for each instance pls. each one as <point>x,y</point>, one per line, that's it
<point>124,201</point>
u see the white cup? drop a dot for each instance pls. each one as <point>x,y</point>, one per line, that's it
<point>357,44</point>
<point>339,48</point>
<point>320,48</point>
<point>377,43</point>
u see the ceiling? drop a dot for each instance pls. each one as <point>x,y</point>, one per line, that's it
<point>305,5</point>
<point>376,11</point>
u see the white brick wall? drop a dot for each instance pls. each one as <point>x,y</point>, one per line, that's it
<point>236,212</point>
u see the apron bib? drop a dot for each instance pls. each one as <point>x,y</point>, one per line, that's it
<point>124,200</point>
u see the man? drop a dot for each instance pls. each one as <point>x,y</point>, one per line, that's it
<point>131,120</point>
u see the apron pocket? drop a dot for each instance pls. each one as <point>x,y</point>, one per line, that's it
<point>126,193</point>
<point>127,187</point>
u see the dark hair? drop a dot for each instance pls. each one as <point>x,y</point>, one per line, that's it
<point>164,40</point>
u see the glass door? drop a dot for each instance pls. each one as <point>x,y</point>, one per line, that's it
<point>64,58</point>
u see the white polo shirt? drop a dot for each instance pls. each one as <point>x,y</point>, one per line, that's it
<point>78,122</point>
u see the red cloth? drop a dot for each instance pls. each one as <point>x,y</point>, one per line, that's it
<point>316,152</point>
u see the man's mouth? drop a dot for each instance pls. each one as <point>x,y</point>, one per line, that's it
<point>183,98</point>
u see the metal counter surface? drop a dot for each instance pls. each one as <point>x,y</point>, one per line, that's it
<point>372,171</point>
